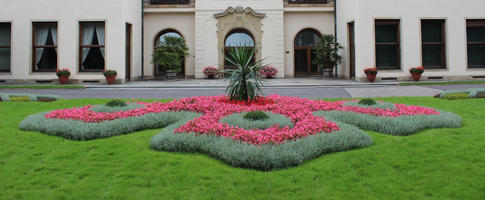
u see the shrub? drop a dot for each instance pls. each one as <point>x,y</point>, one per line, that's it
<point>367,101</point>
<point>170,53</point>
<point>256,115</point>
<point>269,71</point>
<point>116,103</point>
<point>20,99</point>
<point>381,105</point>
<point>457,96</point>
<point>327,52</point>
<point>237,120</point>
<point>372,70</point>
<point>63,72</point>
<point>32,97</point>
<point>108,109</point>
<point>244,85</point>
<point>210,71</point>
<point>417,70</point>
<point>110,72</point>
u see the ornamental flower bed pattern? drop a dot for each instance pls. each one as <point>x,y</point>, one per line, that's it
<point>215,108</point>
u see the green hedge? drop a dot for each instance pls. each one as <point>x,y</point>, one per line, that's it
<point>265,157</point>
<point>78,130</point>
<point>32,97</point>
<point>239,121</point>
<point>403,125</point>
<point>473,92</point>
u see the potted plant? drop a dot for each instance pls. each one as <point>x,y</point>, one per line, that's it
<point>170,55</point>
<point>211,72</point>
<point>416,72</point>
<point>327,56</point>
<point>63,75</point>
<point>269,71</point>
<point>110,76</point>
<point>371,74</point>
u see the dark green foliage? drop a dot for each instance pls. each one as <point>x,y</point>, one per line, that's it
<point>108,109</point>
<point>381,105</point>
<point>327,52</point>
<point>404,125</point>
<point>367,101</point>
<point>265,157</point>
<point>116,103</point>
<point>256,115</point>
<point>457,96</point>
<point>110,72</point>
<point>244,84</point>
<point>170,53</point>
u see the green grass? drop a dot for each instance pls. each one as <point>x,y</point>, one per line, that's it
<point>432,164</point>
<point>10,87</point>
<point>444,83</point>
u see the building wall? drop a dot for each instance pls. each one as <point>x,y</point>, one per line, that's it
<point>410,14</point>
<point>183,22</point>
<point>21,13</point>
<point>298,21</point>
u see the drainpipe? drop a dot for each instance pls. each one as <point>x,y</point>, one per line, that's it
<point>142,40</point>
<point>335,24</point>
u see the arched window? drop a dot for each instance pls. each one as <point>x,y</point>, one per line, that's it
<point>305,42</point>
<point>236,38</point>
<point>159,40</point>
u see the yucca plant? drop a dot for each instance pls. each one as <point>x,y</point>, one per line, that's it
<point>244,84</point>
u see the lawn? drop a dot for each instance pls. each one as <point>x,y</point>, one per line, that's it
<point>432,164</point>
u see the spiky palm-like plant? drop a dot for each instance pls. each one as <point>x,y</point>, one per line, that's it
<point>244,84</point>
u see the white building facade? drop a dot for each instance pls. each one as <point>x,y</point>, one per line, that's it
<point>38,37</point>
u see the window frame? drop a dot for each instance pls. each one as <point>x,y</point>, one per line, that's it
<point>442,44</point>
<point>81,46</point>
<point>35,47</point>
<point>8,47</point>
<point>396,22</point>
<point>473,23</point>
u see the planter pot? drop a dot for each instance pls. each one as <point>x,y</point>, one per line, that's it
<point>327,73</point>
<point>110,79</point>
<point>269,77</point>
<point>416,76</point>
<point>171,74</point>
<point>63,79</point>
<point>211,77</point>
<point>371,77</point>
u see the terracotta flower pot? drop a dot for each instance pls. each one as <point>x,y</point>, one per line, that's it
<point>211,76</point>
<point>371,77</point>
<point>110,79</point>
<point>269,77</point>
<point>416,76</point>
<point>63,79</point>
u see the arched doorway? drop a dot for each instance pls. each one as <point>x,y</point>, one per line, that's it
<point>305,42</point>
<point>235,38</point>
<point>158,71</point>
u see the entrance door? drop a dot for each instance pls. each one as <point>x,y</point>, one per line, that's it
<point>159,73</point>
<point>351,30</point>
<point>128,53</point>
<point>237,38</point>
<point>305,43</point>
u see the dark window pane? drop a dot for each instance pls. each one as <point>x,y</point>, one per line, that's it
<point>386,33</point>
<point>432,31</point>
<point>301,61</point>
<point>387,57</point>
<point>476,34</point>
<point>307,38</point>
<point>5,34</point>
<point>94,59</point>
<point>476,56</point>
<point>45,58</point>
<point>433,56</point>
<point>314,66</point>
<point>4,59</point>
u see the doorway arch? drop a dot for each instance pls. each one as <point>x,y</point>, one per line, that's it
<point>304,48</point>
<point>157,71</point>
<point>235,38</point>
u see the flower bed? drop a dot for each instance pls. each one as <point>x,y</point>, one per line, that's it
<point>28,97</point>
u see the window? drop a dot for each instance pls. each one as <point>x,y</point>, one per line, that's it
<point>44,45</point>
<point>305,42</point>
<point>433,44</point>
<point>388,51</point>
<point>5,37</point>
<point>92,47</point>
<point>156,2</point>
<point>308,1</point>
<point>476,43</point>
<point>161,39</point>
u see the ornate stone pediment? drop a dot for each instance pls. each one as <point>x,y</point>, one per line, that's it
<point>239,12</point>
